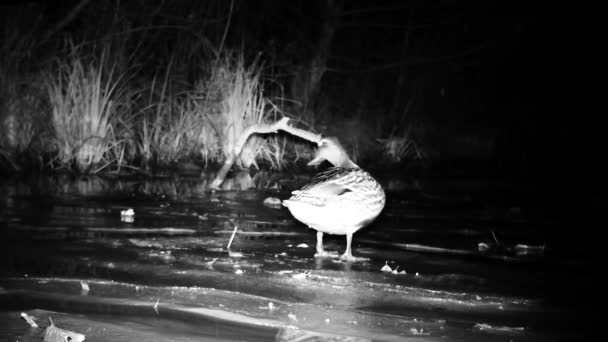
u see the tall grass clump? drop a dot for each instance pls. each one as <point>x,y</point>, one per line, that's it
<point>22,105</point>
<point>239,103</point>
<point>205,122</point>
<point>89,104</point>
<point>170,127</point>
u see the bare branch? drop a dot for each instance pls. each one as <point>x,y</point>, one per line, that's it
<point>259,129</point>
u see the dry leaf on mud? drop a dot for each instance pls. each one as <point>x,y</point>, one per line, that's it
<point>54,334</point>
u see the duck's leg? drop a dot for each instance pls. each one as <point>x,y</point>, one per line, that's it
<point>348,255</point>
<point>320,251</point>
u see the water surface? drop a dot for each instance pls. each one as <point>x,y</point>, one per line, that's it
<point>167,275</point>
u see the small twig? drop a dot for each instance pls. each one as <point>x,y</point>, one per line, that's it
<point>232,237</point>
<point>29,320</point>
<point>495,238</point>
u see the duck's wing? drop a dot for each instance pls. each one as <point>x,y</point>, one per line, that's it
<point>332,175</point>
<point>330,183</point>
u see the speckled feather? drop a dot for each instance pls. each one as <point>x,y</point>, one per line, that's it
<point>337,181</point>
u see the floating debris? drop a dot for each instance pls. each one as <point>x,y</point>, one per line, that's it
<point>29,319</point>
<point>286,272</point>
<point>156,305</point>
<point>386,268</point>
<point>273,202</point>
<point>302,245</point>
<point>270,306</point>
<point>300,275</point>
<point>483,247</point>
<point>418,332</point>
<point>54,334</point>
<point>521,249</point>
<point>499,329</point>
<point>292,317</point>
<point>127,215</point>
<point>235,254</point>
<point>84,288</point>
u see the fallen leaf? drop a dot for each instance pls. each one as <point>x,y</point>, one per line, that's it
<point>54,334</point>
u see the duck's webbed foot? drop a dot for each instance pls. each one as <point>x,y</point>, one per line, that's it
<point>326,254</point>
<point>348,255</point>
<point>352,258</point>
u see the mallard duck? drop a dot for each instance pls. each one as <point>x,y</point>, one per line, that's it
<point>340,200</point>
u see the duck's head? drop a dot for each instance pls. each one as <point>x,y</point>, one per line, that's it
<point>331,150</point>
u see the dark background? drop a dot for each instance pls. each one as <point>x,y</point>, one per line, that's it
<point>499,89</point>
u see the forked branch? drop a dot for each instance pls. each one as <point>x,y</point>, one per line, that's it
<point>259,129</point>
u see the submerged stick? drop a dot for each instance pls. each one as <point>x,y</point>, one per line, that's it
<point>259,129</point>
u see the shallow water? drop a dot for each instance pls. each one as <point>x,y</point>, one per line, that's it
<point>167,275</point>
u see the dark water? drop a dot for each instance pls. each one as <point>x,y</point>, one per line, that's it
<point>57,235</point>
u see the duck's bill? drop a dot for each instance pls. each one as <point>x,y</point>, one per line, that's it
<point>318,160</point>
